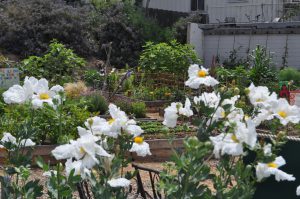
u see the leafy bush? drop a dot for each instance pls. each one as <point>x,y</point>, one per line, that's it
<point>170,57</point>
<point>58,65</point>
<point>113,81</point>
<point>262,71</point>
<point>125,106</point>
<point>180,27</point>
<point>97,103</point>
<point>290,74</point>
<point>46,122</point>
<point>93,78</point>
<point>139,109</point>
<point>27,26</point>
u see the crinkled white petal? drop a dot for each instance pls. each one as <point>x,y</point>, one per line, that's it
<point>267,149</point>
<point>63,151</point>
<point>186,110</point>
<point>298,191</point>
<point>27,142</point>
<point>170,117</point>
<point>141,149</point>
<point>7,137</point>
<point>264,170</point>
<point>119,182</point>
<point>15,95</point>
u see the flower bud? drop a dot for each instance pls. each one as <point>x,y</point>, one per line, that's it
<point>247,91</point>
<point>236,91</point>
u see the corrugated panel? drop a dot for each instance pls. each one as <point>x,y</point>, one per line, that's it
<point>267,10</point>
<point>172,5</point>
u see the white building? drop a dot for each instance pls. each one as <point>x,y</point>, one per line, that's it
<point>239,11</point>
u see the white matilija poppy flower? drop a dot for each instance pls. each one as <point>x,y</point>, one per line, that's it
<point>186,110</point>
<point>49,173</point>
<point>267,149</point>
<point>285,112</point>
<point>198,76</point>
<point>78,167</point>
<point>226,144</point>
<point>84,149</point>
<point>140,147</point>
<point>232,143</point>
<point>246,133</point>
<point>263,115</point>
<point>119,182</point>
<point>44,95</point>
<point>264,170</point>
<point>7,137</point>
<point>170,116</point>
<point>171,112</point>
<point>298,191</point>
<point>211,100</point>
<point>260,96</point>
<point>113,127</point>
<point>20,94</point>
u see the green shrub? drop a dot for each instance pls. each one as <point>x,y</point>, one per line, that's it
<point>139,109</point>
<point>262,71</point>
<point>27,26</point>
<point>97,103</point>
<point>129,83</point>
<point>125,106</point>
<point>180,27</point>
<point>59,65</point>
<point>170,57</point>
<point>290,74</point>
<point>93,78</point>
<point>113,81</point>
<point>46,121</point>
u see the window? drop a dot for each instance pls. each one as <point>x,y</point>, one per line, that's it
<point>197,5</point>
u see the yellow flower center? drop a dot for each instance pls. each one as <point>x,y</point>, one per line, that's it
<point>282,114</point>
<point>223,114</point>
<point>82,150</point>
<point>44,96</point>
<point>202,73</point>
<point>138,140</point>
<point>246,117</point>
<point>273,165</point>
<point>259,100</point>
<point>111,121</point>
<point>234,138</point>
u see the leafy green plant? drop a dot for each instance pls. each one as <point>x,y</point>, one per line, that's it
<point>46,121</point>
<point>262,71</point>
<point>15,179</point>
<point>125,106</point>
<point>58,65</point>
<point>59,186</point>
<point>170,57</point>
<point>113,81</point>
<point>139,109</point>
<point>93,78</point>
<point>290,74</point>
<point>191,168</point>
<point>29,25</point>
<point>97,103</point>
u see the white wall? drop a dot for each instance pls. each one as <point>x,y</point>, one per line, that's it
<point>221,45</point>
<point>171,5</point>
<point>220,9</point>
